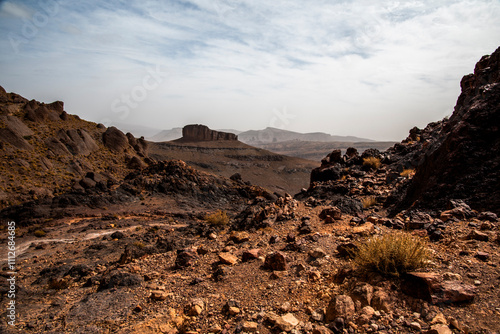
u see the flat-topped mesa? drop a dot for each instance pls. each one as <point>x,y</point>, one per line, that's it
<point>198,132</point>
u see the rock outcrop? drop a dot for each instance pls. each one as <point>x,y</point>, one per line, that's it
<point>464,163</point>
<point>197,132</point>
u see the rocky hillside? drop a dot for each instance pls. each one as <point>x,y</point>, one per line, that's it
<point>46,151</point>
<point>228,158</point>
<point>464,160</point>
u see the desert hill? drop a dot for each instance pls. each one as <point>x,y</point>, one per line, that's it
<point>275,172</point>
<point>310,146</point>
<point>273,135</point>
<point>46,151</point>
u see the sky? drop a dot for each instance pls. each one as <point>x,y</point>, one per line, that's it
<point>372,69</point>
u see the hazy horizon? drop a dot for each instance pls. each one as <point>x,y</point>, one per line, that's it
<point>357,68</point>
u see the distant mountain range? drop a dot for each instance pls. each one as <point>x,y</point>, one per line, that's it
<point>267,136</point>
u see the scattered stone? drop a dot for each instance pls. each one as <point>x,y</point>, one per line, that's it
<point>321,330</point>
<point>275,261</point>
<point>249,326</point>
<point>158,295</point>
<point>365,229</point>
<point>287,322</point>
<point>227,258</point>
<point>186,258</point>
<point>482,256</point>
<point>317,253</point>
<point>239,237</point>
<point>381,301</point>
<point>196,307</point>
<point>340,306</point>
<point>439,329</point>
<point>332,212</point>
<point>439,319</point>
<point>457,292</point>
<point>489,216</point>
<point>476,235</point>
<point>251,254</point>
<point>420,285</point>
<point>362,294</point>
<point>118,235</point>
<point>452,277</point>
<point>415,326</point>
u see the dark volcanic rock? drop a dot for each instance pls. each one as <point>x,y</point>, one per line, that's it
<point>197,132</point>
<point>115,140</point>
<point>465,162</point>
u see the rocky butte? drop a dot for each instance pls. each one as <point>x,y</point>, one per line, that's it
<point>198,132</point>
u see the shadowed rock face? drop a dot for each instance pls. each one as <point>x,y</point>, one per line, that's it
<point>197,132</point>
<point>465,162</point>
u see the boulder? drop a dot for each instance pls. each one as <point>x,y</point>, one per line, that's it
<point>341,306</point>
<point>115,140</point>
<point>275,261</point>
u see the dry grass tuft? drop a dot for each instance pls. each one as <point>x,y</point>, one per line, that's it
<point>393,254</point>
<point>40,233</point>
<point>369,201</point>
<point>218,218</point>
<point>371,163</point>
<point>408,173</point>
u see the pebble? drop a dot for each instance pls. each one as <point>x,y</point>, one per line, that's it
<point>415,326</point>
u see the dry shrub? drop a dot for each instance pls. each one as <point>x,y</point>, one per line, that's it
<point>219,218</point>
<point>369,201</point>
<point>393,254</point>
<point>40,233</point>
<point>407,173</point>
<point>371,163</point>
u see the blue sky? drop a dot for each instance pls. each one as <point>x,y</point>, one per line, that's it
<point>365,68</point>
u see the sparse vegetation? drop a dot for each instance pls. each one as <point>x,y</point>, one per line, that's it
<point>371,163</point>
<point>369,201</point>
<point>393,254</point>
<point>40,233</point>
<point>218,218</point>
<point>408,173</point>
<point>59,284</point>
<point>139,244</point>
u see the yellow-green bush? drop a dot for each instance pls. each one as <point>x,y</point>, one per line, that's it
<point>393,254</point>
<point>219,218</point>
<point>371,163</point>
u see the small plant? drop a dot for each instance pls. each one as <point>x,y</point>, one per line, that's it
<point>408,173</point>
<point>59,284</point>
<point>393,254</point>
<point>139,244</point>
<point>218,218</point>
<point>369,201</point>
<point>40,233</point>
<point>371,163</point>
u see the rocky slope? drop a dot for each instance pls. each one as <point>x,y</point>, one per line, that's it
<point>45,151</point>
<point>464,160</point>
